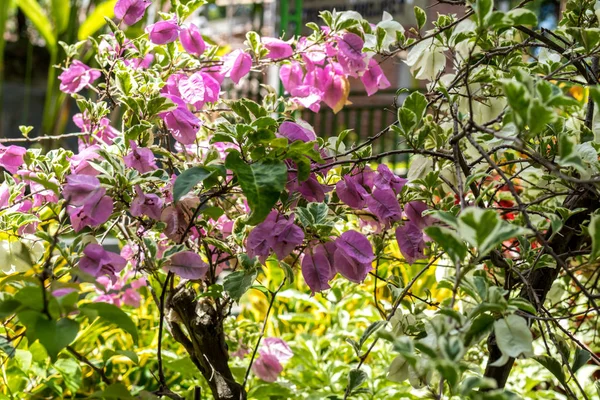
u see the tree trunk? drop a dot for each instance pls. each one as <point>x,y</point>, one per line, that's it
<point>539,281</point>
<point>198,326</point>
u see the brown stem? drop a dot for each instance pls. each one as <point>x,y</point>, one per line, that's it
<point>204,340</point>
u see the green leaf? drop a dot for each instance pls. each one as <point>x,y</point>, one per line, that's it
<point>61,10</point>
<point>554,366</point>
<point>262,183</point>
<point>35,13</point>
<point>478,329</point>
<point>594,231</point>
<point>374,327</point>
<point>523,304</point>
<point>111,314</point>
<point>538,116</point>
<point>8,307</point>
<point>408,120</point>
<point>449,240</point>
<point>125,81</point>
<point>237,283</point>
<point>483,10</point>
<point>420,16</point>
<point>116,391</point>
<point>417,103</point>
<point>71,373</point>
<point>356,377</point>
<point>521,16</point>
<point>485,230</point>
<point>513,337</point>
<point>518,97</point>
<point>7,347</point>
<point>53,335</point>
<point>398,370</point>
<point>95,20</point>
<point>313,214</point>
<point>188,179</point>
<point>288,271</point>
<point>582,356</point>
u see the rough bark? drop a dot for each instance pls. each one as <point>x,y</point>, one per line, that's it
<point>198,326</point>
<point>539,281</point>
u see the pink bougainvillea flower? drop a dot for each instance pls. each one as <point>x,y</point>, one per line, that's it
<point>5,195</point>
<point>146,204</point>
<point>172,85</point>
<point>99,210</point>
<point>236,65</point>
<point>414,212</point>
<point>187,264</point>
<point>181,122</point>
<point>285,238</point>
<point>267,367</point>
<point>11,157</point>
<point>40,194</point>
<point>97,261</point>
<point>383,203</point>
<point>374,79</point>
<point>350,268</point>
<point>103,131</point>
<point>258,241</point>
<point>411,242</point>
<point>312,53</point>
<point>312,190</point>
<point>276,233</point>
<point>80,163</point>
<point>350,55</point>
<point>278,48</point>
<point>353,256</point>
<point>386,179</point>
<point>76,77</point>
<point>291,75</point>
<point>272,354</point>
<point>199,88</point>
<point>192,41</point>
<point>356,246</point>
<point>308,97</point>
<point>316,270</point>
<point>366,177</point>
<point>177,221</point>
<point>131,11</point>
<point>140,158</point>
<point>276,347</point>
<point>82,189</point>
<point>131,298</point>
<point>140,62</point>
<point>88,204</point>
<point>293,131</point>
<point>351,192</point>
<point>336,88</point>
<point>163,32</point>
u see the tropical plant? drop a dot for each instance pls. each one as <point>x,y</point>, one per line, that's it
<point>228,213</point>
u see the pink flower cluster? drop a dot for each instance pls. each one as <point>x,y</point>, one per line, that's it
<point>273,352</point>
<point>88,203</point>
<point>276,234</point>
<point>350,254</point>
<point>326,66</point>
<point>377,192</point>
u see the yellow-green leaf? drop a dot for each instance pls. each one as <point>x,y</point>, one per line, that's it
<point>95,21</point>
<point>39,19</point>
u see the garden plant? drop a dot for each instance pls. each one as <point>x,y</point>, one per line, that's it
<point>259,260</point>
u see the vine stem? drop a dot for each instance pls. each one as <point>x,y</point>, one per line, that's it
<point>393,311</point>
<point>262,331</point>
<point>161,374</point>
